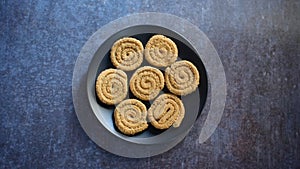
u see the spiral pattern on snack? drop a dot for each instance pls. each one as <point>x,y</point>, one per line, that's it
<point>146,83</point>
<point>182,78</point>
<point>161,51</point>
<point>166,110</point>
<point>127,54</point>
<point>111,86</point>
<point>131,116</point>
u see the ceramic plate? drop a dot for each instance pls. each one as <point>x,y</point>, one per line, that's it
<point>96,118</point>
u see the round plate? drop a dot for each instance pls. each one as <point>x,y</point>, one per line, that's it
<point>97,118</point>
<point>192,102</point>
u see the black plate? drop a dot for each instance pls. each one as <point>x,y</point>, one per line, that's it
<point>193,102</point>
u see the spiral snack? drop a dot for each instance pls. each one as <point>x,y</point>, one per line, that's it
<point>182,78</point>
<point>111,86</point>
<point>146,83</point>
<point>130,116</point>
<point>127,54</point>
<point>166,110</point>
<point>161,51</point>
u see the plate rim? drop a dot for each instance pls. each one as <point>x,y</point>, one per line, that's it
<point>141,140</point>
<point>132,150</point>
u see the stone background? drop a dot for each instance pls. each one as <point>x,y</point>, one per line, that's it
<point>258,42</point>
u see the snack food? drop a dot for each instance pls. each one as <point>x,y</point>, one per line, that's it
<point>127,54</point>
<point>182,78</point>
<point>165,111</point>
<point>161,51</point>
<point>130,116</point>
<point>111,86</point>
<point>146,82</point>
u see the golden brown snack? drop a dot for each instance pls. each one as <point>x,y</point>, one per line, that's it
<point>127,54</point>
<point>161,51</point>
<point>182,78</point>
<point>131,116</point>
<point>165,111</point>
<point>147,82</point>
<point>111,86</point>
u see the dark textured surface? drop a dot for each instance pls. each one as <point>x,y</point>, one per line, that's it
<point>258,43</point>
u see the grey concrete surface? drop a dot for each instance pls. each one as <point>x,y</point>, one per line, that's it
<point>258,43</point>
